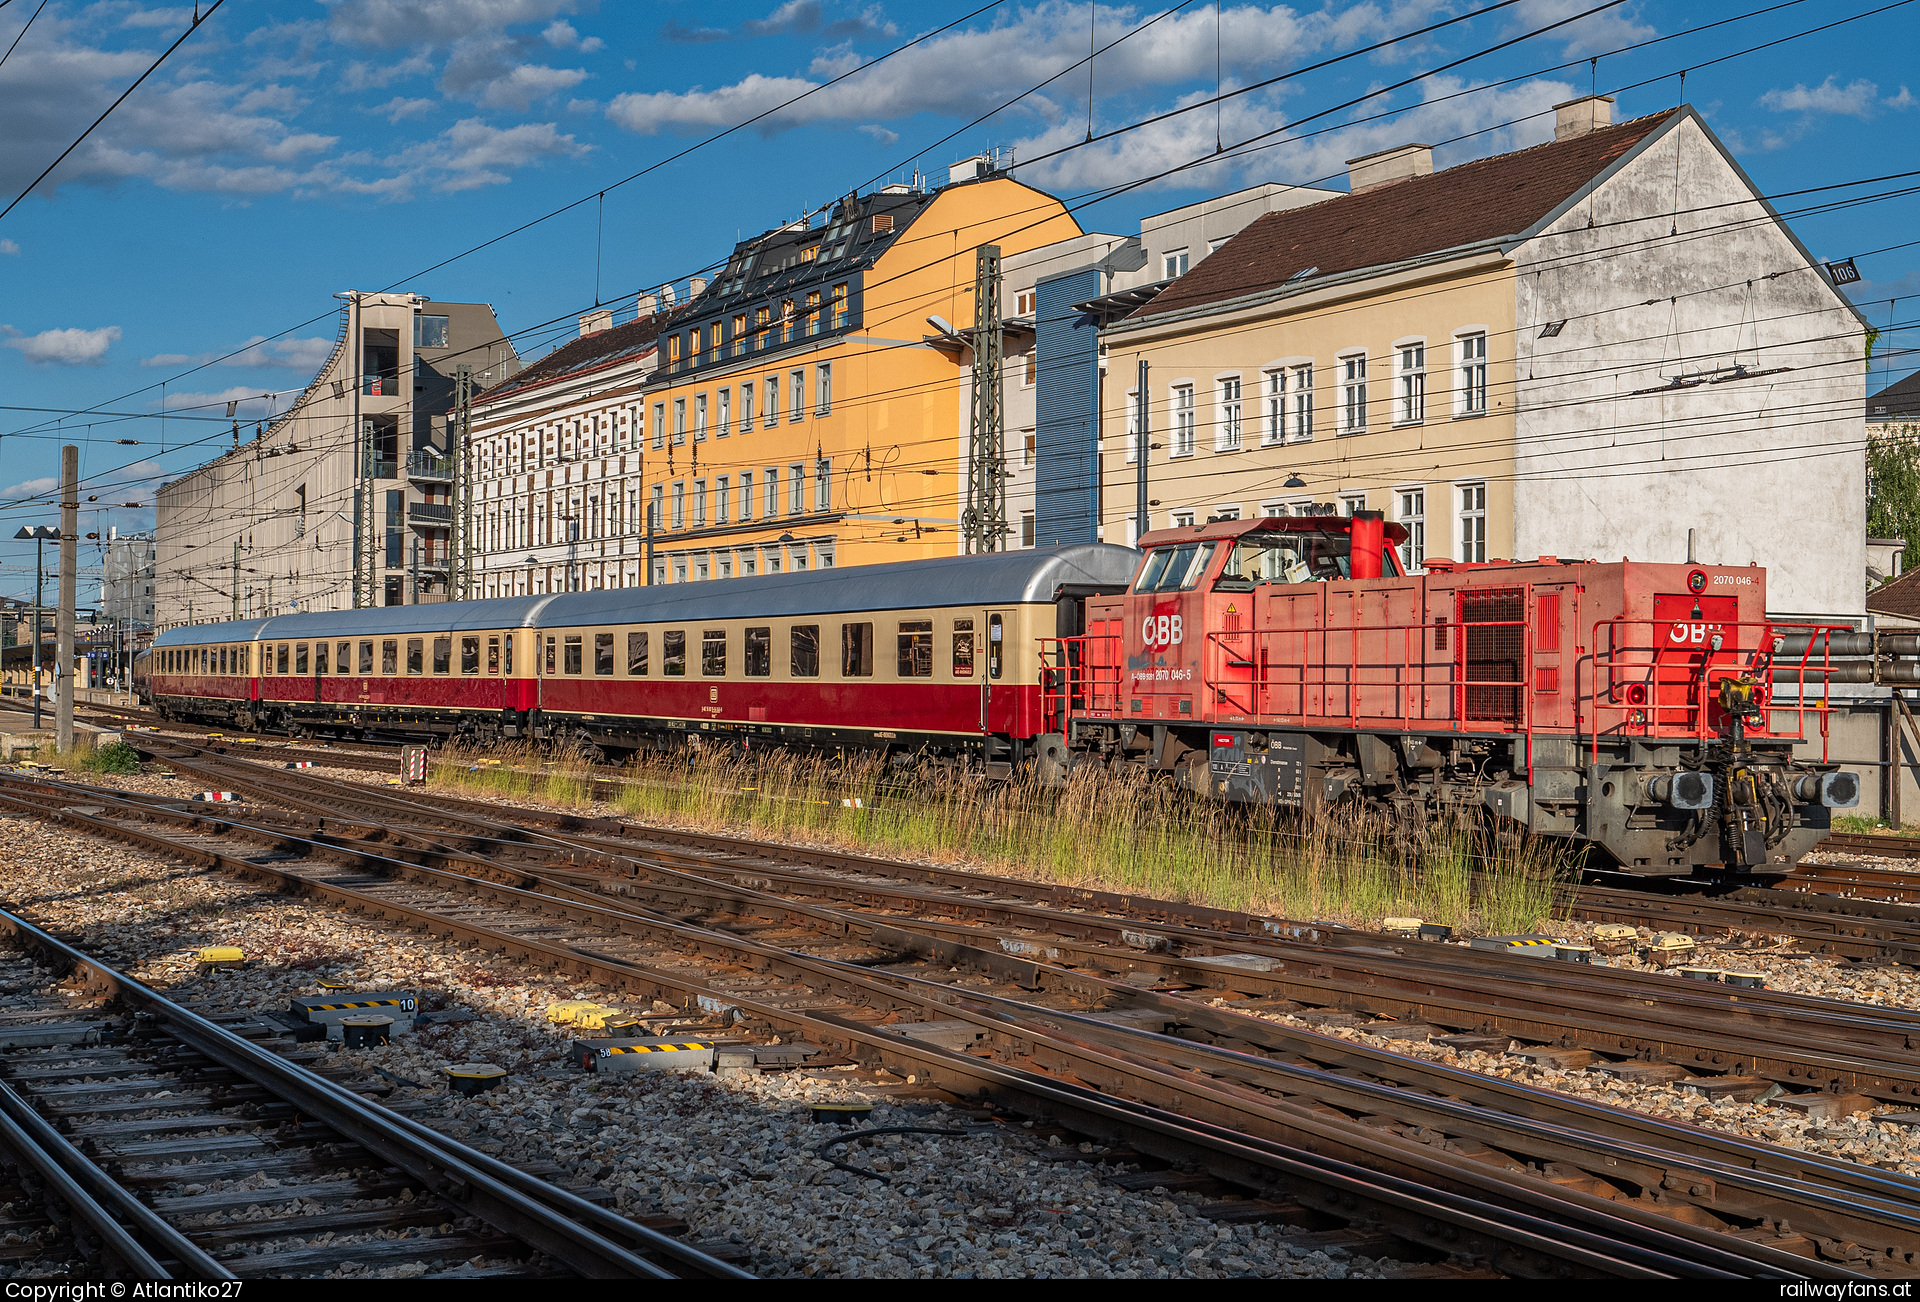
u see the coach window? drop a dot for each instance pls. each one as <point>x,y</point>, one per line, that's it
<point>996,646</point>
<point>916,648</point>
<point>603,654</point>
<point>506,663</point>
<point>416,654</point>
<point>963,648</point>
<point>389,657</point>
<point>673,653</point>
<point>493,655</point>
<point>856,650</point>
<point>366,658</point>
<point>280,659</point>
<point>551,644</point>
<point>299,659</point>
<point>636,655</point>
<point>469,655</point>
<point>220,660</point>
<point>443,655</point>
<point>319,659</point>
<point>572,658</point>
<point>713,652</point>
<point>759,652</point>
<point>804,650</point>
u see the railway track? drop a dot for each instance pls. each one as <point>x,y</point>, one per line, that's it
<point>1039,1030</point>
<point>114,1110</point>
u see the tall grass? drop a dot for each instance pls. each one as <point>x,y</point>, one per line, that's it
<point>85,757</point>
<point>1111,830</point>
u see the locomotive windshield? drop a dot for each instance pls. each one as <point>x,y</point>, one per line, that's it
<point>1304,557</point>
<point>1175,569</point>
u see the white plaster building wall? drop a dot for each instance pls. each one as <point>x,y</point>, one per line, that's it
<point>1766,470</point>
<point>588,433</point>
<point>1197,227</point>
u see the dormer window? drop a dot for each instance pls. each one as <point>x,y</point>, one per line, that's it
<point>882,223</point>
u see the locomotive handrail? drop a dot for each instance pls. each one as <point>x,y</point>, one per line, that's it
<point>1718,663</point>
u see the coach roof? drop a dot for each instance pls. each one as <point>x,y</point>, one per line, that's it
<point>997,579</point>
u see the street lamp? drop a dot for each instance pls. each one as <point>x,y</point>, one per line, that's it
<point>40,535</point>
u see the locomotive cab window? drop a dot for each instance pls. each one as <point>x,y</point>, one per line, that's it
<point>1175,569</point>
<point>442,655</point>
<point>963,648</point>
<point>469,655</point>
<point>603,654</point>
<point>713,652</point>
<point>804,651</point>
<point>571,648</point>
<point>856,650</point>
<point>416,654</point>
<point>636,655</point>
<point>759,652</point>
<point>915,658</point>
<point>673,653</point>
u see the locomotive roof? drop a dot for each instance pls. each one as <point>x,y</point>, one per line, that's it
<point>1263,524</point>
<point>997,579</point>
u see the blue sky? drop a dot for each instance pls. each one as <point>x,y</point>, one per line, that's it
<point>291,149</point>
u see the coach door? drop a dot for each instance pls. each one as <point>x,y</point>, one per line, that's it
<point>999,666</point>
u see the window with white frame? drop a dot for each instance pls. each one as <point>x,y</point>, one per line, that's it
<point>656,502</point>
<point>679,420</point>
<point>1274,510</point>
<point>1410,509</point>
<point>1410,383</point>
<point>1227,511</point>
<point>699,417</point>
<point>722,495</point>
<point>1026,529</point>
<point>823,485</point>
<point>679,504</point>
<point>1133,426</point>
<point>771,416</point>
<point>1273,429</point>
<point>1352,502</point>
<point>797,395</point>
<point>1213,246</point>
<point>1175,264</point>
<point>723,419</point>
<point>1300,403</point>
<point>823,389</point>
<point>1183,417</point>
<point>796,489</point>
<point>679,569</point>
<point>1181,519</point>
<point>1472,534</point>
<point>1472,399</point>
<point>1023,303</point>
<point>746,495</point>
<point>1226,434</point>
<point>772,481</point>
<point>699,503</point>
<point>1353,393</point>
<point>746,408</point>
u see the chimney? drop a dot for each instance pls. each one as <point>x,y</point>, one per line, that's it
<point>696,285</point>
<point>1576,117</point>
<point>594,322</point>
<point>1401,163</point>
<point>647,306</point>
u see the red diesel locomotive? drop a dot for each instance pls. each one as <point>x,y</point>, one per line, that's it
<point>1652,710</point>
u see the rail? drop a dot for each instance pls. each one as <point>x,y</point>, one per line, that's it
<point>1664,687</point>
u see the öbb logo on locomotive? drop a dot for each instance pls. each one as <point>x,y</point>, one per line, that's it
<point>1649,711</point>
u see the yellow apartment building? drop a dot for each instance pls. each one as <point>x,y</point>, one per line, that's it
<point>806,412</point>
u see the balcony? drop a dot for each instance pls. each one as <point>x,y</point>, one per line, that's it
<point>430,515</point>
<point>429,464</point>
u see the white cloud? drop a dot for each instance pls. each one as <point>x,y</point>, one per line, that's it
<point>1857,99</point>
<point>254,404</point>
<point>881,134</point>
<point>1010,55</point>
<point>393,23</point>
<point>31,487</point>
<point>370,76</point>
<point>9,248</point>
<point>399,107</point>
<point>488,70</point>
<point>69,347</point>
<point>1593,35</point>
<point>468,155</point>
<point>259,351</point>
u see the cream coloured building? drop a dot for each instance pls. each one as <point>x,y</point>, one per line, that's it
<point>1607,345</point>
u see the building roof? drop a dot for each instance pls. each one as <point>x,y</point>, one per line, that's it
<point>589,352</point>
<point>1473,203</point>
<point>1898,401</point>
<point>1900,597</point>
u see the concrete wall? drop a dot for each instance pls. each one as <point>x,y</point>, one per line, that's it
<point>1603,471</point>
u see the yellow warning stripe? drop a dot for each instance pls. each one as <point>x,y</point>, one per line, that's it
<point>653,1048</point>
<point>1520,944</point>
<point>370,1003</point>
